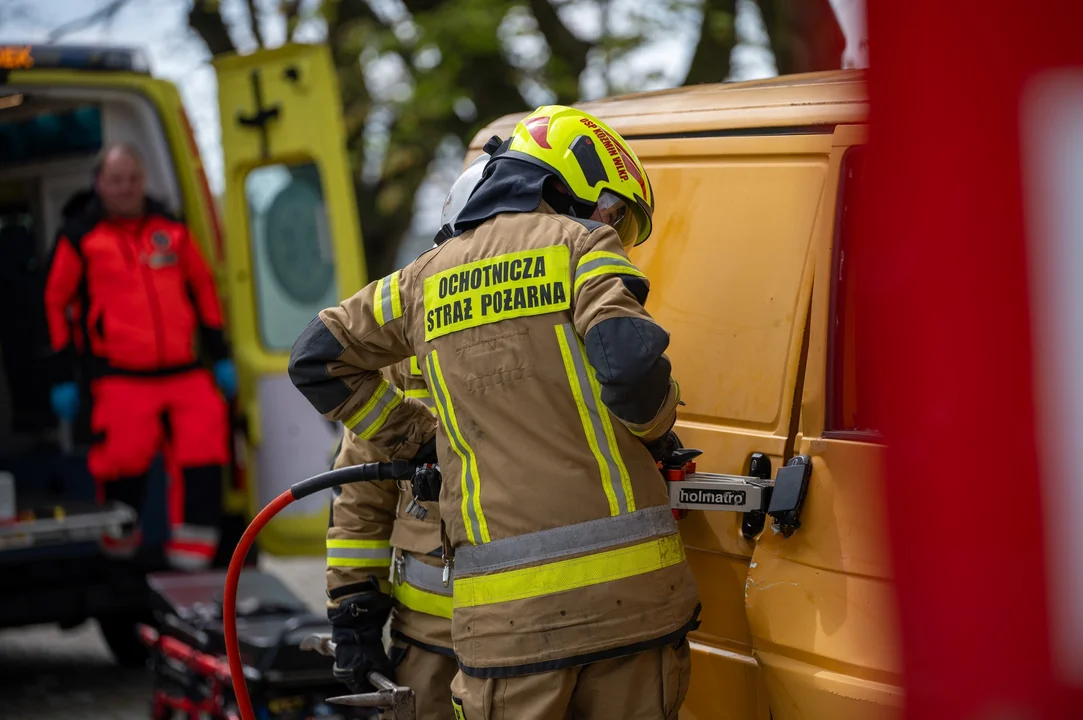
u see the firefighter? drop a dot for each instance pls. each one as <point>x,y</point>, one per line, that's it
<point>572,596</point>
<point>127,290</point>
<point>370,529</point>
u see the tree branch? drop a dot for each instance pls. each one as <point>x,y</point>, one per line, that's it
<point>104,14</point>
<point>291,13</point>
<point>340,13</point>
<point>257,32</point>
<point>717,38</point>
<point>567,56</point>
<point>205,18</point>
<point>805,35</point>
<point>422,6</point>
<point>477,71</point>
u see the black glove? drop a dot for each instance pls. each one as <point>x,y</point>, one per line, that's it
<point>426,484</point>
<point>664,445</point>
<point>357,631</point>
<point>427,479</point>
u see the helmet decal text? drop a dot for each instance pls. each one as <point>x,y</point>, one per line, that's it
<point>622,159</point>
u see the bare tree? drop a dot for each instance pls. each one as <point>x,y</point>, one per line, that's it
<point>102,16</point>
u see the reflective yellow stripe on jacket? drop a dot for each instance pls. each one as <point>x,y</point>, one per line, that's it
<point>620,547</point>
<point>358,553</point>
<point>477,530</point>
<point>423,395</point>
<point>597,424</point>
<point>387,301</point>
<point>601,262</point>
<point>420,587</point>
<point>367,421</point>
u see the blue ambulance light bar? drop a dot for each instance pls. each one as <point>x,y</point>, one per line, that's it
<point>15,56</point>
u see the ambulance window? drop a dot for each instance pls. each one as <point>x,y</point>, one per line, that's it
<point>48,134</point>
<point>292,260</point>
<point>849,393</point>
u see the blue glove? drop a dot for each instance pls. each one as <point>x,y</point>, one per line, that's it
<point>65,400</point>
<point>225,376</point>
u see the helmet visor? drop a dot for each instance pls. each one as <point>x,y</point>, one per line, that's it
<point>615,212</point>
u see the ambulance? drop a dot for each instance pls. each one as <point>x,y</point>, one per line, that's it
<point>287,245</point>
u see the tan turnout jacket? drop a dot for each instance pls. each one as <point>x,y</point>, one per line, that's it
<point>566,551</point>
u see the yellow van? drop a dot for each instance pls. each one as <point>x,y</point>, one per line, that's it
<point>752,264</point>
<point>291,243</point>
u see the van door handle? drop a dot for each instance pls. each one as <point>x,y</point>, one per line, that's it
<point>788,497</point>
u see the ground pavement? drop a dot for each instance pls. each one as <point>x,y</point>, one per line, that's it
<point>46,673</point>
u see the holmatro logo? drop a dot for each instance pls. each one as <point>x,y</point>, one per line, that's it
<point>713,497</point>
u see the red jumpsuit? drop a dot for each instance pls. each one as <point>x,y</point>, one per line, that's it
<point>130,294</point>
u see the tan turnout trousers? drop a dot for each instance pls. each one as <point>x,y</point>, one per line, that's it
<point>650,685</point>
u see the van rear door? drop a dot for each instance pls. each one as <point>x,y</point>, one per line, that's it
<point>293,248</point>
<point>731,280</point>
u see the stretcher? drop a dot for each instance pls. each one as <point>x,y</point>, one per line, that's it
<point>187,651</point>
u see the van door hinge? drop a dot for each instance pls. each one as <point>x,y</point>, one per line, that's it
<point>759,466</point>
<point>261,116</point>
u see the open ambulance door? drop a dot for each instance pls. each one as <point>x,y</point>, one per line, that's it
<point>293,248</point>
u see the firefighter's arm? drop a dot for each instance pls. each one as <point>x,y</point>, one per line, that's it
<point>61,287</point>
<point>336,364</point>
<point>624,344</point>
<point>359,528</point>
<point>205,296</point>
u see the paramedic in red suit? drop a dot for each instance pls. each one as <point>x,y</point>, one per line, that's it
<point>128,290</point>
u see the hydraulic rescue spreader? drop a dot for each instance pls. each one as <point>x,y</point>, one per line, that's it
<point>755,495</point>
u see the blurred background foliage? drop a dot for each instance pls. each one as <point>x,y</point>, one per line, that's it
<point>419,78</point>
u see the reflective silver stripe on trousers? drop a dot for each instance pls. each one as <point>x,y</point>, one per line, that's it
<point>360,553</point>
<point>591,402</point>
<point>560,542</point>
<point>425,577</point>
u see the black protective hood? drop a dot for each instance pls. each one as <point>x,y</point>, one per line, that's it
<point>508,185</point>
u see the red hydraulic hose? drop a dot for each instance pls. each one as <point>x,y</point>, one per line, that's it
<point>229,600</point>
<point>395,470</point>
